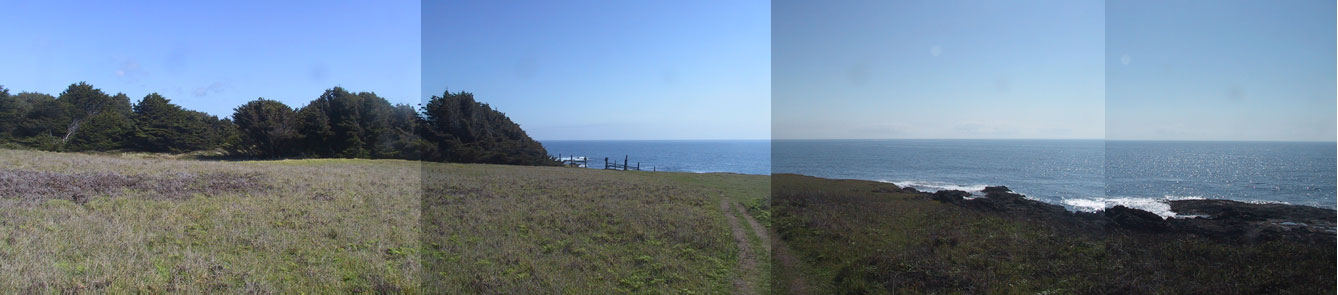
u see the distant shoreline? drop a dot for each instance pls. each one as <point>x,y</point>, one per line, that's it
<point>980,193</point>
<point>1217,218</point>
<point>1051,139</point>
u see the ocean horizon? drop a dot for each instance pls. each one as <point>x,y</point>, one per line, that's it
<point>1081,174</point>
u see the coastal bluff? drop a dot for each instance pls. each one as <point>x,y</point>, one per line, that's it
<point>1222,220</point>
<point>868,237</point>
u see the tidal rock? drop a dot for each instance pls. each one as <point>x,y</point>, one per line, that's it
<point>1227,209</point>
<point>1232,220</point>
<point>996,189</point>
<point>1135,219</point>
<point>951,196</point>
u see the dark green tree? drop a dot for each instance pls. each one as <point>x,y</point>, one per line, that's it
<point>44,123</point>
<point>84,102</point>
<point>208,131</point>
<point>160,126</point>
<point>340,123</point>
<point>105,124</point>
<point>266,128</point>
<point>12,112</point>
<point>401,140</point>
<point>467,131</point>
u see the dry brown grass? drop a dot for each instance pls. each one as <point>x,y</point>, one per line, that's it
<point>163,225</point>
<point>79,223</point>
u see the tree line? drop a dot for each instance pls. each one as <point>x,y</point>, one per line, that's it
<point>452,127</point>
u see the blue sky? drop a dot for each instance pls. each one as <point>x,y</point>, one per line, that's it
<point>608,69</point>
<point>1234,70</point>
<point>1221,70</point>
<point>938,69</point>
<point>213,55</point>
<point>1148,70</point>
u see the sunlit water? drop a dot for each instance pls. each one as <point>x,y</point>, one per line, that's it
<point>1084,175</point>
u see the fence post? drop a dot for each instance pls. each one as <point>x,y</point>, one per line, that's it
<point>606,163</point>
<point>638,166</point>
<point>624,162</point>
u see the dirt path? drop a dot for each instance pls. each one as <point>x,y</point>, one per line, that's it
<point>747,261</point>
<point>758,230</point>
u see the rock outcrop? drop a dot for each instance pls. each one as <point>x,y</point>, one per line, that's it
<point>1135,219</point>
<point>1221,220</point>
<point>1226,219</point>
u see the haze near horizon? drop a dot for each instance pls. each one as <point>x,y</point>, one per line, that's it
<point>943,69</point>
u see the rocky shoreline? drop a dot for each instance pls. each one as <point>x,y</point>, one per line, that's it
<point>1222,220</point>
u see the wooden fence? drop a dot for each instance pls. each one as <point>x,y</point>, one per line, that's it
<point>624,166</point>
<point>583,162</point>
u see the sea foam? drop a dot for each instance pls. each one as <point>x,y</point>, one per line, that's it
<point>934,186</point>
<point>1157,206</point>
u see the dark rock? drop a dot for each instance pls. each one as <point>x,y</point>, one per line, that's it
<point>1232,220</point>
<point>951,196</point>
<point>996,189</point>
<point>1219,209</point>
<point>1135,219</point>
<point>1015,204</point>
<point>1221,220</point>
<point>909,190</point>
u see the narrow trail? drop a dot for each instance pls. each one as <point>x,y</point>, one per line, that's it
<point>758,229</point>
<point>747,260</point>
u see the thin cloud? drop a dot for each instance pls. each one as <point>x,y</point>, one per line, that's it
<point>216,87</point>
<point>130,71</point>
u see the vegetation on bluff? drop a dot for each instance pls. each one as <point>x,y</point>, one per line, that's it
<point>864,237</point>
<point>337,124</point>
<point>463,130</point>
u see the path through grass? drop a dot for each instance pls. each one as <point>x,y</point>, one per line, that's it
<point>109,223</point>
<point>492,229</point>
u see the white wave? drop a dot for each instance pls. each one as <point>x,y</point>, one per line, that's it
<point>934,186</point>
<point>1157,206</point>
<point>1178,198</point>
<point>1266,202</point>
<point>1154,205</point>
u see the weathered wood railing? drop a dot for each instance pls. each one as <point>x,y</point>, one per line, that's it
<point>615,166</point>
<point>624,166</point>
<point>583,162</point>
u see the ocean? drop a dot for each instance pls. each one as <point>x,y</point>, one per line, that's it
<point>698,156</point>
<point>1082,175</point>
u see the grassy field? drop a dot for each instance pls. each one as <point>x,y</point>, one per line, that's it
<point>72,223</point>
<point>135,223</point>
<point>862,237</point>
<point>552,230</point>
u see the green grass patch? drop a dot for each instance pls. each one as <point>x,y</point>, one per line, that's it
<point>494,229</point>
